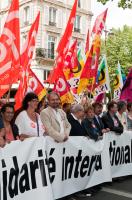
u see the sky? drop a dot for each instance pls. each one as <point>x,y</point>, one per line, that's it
<point>117,17</point>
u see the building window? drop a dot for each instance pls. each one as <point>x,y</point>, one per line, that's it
<point>26,15</point>
<point>51,46</point>
<point>79,3</point>
<point>46,74</point>
<point>77,24</point>
<point>52,16</point>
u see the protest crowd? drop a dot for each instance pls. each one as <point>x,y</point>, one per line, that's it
<point>76,106</point>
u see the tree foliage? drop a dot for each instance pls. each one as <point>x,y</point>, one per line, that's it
<point>118,47</point>
<point>121,3</point>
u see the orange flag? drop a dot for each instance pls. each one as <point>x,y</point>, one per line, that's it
<point>10,48</point>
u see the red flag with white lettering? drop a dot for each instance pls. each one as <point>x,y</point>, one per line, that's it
<point>26,58</point>
<point>10,47</point>
<point>63,45</point>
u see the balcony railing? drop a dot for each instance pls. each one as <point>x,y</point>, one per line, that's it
<point>77,30</point>
<point>45,53</point>
<point>52,23</point>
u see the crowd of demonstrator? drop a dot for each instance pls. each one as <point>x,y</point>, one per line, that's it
<point>61,121</point>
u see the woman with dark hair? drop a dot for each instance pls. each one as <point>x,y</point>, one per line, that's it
<point>28,120</point>
<point>11,130</point>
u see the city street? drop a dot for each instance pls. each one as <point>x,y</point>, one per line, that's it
<point>118,190</point>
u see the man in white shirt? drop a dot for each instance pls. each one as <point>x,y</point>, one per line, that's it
<point>54,119</point>
<point>121,113</point>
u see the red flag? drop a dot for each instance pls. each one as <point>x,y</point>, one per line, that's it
<point>63,46</point>
<point>89,73</point>
<point>126,93</point>
<point>63,89</point>
<point>10,47</point>
<point>100,23</point>
<point>100,98</point>
<point>87,43</point>
<point>26,58</point>
<point>69,62</point>
<point>34,85</point>
<point>84,78</point>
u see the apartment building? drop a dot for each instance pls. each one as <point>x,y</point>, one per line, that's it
<point>53,20</point>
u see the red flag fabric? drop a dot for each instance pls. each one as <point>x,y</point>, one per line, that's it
<point>100,23</point>
<point>10,47</point>
<point>34,85</point>
<point>26,58</point>
<point>63,46</point>
<point>89,73</point>
<point>84,78</point>
<point>69,62</point>
<point>126,93</point>
<point>63,89</point>
<point>100,98</point>
<point>87,43</point>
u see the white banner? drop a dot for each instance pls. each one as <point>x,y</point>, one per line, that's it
<point>79,163</point>
<point>24,172</point>
<point>120,149</point>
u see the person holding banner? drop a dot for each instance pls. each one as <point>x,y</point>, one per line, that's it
<point>54,119</point>
<point>110,119</point>
<point>121,114</point>
<point>75,118</point>
<point>28,120</point>
<point>89,125</point>
<point>98,108</point>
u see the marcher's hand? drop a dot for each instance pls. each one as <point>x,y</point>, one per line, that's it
<point>104,131</point>
<point>100,137</point>
<point>2,142</point>
<point>65,138</point>
<point>107,129</point>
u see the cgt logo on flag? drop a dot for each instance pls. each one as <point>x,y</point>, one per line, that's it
<point>9,45</point>
<point>61,85</point>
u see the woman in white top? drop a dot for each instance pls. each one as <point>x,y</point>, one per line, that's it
<point>28,121</point>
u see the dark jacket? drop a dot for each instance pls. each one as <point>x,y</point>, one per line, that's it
<point>99,124</point>
<point>90,129</point>
<point>76,127</point>
<point>109,123</point>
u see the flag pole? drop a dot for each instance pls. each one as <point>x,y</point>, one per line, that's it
<point>9,94</point>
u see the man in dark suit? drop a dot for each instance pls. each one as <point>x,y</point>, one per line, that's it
<point>98,108</point>
<point>75,118</point>
<point>110,119</point>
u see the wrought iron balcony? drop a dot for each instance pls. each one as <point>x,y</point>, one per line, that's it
<point>45,53</point>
